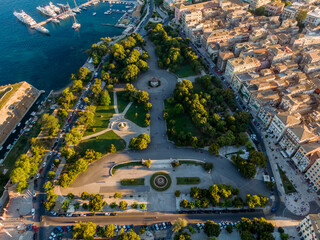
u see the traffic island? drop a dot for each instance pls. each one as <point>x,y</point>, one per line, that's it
<point>160,181</point>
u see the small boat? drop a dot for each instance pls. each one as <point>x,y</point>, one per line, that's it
<point>84,8</point>
<point>54,20</point>
<point>94,13</point>
<point>75,25</point>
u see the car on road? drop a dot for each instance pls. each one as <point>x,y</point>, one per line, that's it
<point>38,175</point>
<point>34,194</point>
<point>272,179</point>
<point>44,163</point>
<point>33,211</point>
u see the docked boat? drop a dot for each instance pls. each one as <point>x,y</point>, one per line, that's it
<point>75,25</point>
<point>84,8</point>
<point>54,20</point>
<point>25,18</point>
<point>42,29</point>
<point>46,10</point>
<point>54,8</point>
<point>76,8</point>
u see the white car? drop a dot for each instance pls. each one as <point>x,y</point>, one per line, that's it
<point>33,211</point>
<point>44,164</point>
<point>107,214</point>
<point>38,175</point>
<point>69,215</point>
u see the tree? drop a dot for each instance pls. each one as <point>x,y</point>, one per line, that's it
<point>113,205</point>
<point>302,15</point>
<point>84,230</point>
<point>130,73</point>
<point>140,142</point>
<point>17,175</point>
<point>67,98</point>
<point>105,99</point>
<point>214,148</point>
<point>246,235</point>
<point>65,205</point>
<point>148,106</point>
<point>179,224</point>
<point>86,118</point>
<point>252,200</point>
<point>142,65</point>
<point>123,205</point>
<point>48,186</point>
<point>77,85</point>
<point>83,73</point>
<point>128,236</point>
<point>96,203</point>
<point>51,174</point>
<point>65,180</point>
<point>73,137</point>
<point>208,166</point>
<point>212,229</point>
<point>260,11</point>
<point>182,236</point>
<point>85,195</point>
<point>50,123</point>
<point>112,149</point>
<point>21,186</point>
<point>110,231</point>
<point>96,87</point>
<point>178,109</point>
<point>184,203</point>
<point>117,195</point>
<point>229,229</point>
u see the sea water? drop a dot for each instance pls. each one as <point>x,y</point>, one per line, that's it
<point>47,61</point>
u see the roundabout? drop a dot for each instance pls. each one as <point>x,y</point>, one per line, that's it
<point>160,181</point>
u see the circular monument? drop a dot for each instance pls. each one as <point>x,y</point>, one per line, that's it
<point>160,181</point>
<point>154,82</point>
<point>122,126</point>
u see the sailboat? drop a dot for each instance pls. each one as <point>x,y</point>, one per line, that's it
<point>76,8</point>
<point>75,25</point>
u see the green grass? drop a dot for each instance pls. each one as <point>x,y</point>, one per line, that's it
<point>126,165</point>
<point>182,122</point>
<point>132,181</point>
<point>102,142</point>
<point>140,118</point>
<point>288,187</point>
<point>6,97</point>
<point>185,70</point>
<point>188,180</point>
<point>122,103</point>
<point>191,162</point>
<point>160,189</point>
<point>101,118</point>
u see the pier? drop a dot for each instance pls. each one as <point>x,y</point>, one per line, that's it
<point>86,4</point>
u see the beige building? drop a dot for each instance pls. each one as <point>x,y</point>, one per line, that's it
<point>313,175</point>
<point>306,155</point>
<point>239,65</point>
<point>223,57</point>
<point>309,227</point>
<point>274,8</point>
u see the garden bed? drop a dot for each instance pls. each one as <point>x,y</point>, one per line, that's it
<point>132,181</point>
<point>287,185</point>
<point>188,180</point>
<point>160,181</point>
<point>115,168</point>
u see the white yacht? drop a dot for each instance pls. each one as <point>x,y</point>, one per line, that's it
<point>54,8</point>
<point>25,18</point>
<point>42,29</point>
<point>46,10</point>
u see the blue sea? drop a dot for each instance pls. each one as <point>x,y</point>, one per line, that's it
<point>48,61</point>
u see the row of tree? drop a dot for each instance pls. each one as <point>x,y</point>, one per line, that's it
<point>77,167</point>
<point>88,230</point>
<point>256,229</point>
<point>222,195</point>
<point>26,166</point>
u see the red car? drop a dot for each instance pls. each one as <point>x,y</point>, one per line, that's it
<point>41,170</point>
<point>35,228</point>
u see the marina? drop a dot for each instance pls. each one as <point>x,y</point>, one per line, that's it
<point>58,12</point>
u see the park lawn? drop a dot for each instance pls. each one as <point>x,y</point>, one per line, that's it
<point>102,142</point>
<point>122,103</point>
<point>188,180</point>
<point>288,187</point>
<point>183,122</point>
<point>185,70</point>
<point>140,118</point>
<point>132,181</point>
<point>101,118</point>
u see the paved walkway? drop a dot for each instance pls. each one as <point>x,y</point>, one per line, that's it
<point>115,102</point>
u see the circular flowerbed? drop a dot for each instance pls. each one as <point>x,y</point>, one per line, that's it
<point>160,181</point>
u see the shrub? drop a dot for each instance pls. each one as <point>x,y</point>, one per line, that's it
<point>177,193</point>
<point>70,196</point>
<point>229,229</point>
<point>113,205</point>
<point>117,195</point>
<point>123,205</point>
<point>134,205</point>
<point>85,206</point>
<point>143,206</point>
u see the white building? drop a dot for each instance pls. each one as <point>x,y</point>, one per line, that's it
<point>309,227</point>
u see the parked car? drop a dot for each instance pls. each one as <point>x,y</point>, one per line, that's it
<point>33,211</point>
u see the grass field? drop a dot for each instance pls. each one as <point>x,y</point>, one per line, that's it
<point>188,180</point>
<point>132,181</point>
<point>7,96</point>
<point>182,122</point>
<point>140,118</point>
<point>102,142</point>
<point>288,187</point>
<point>185,71</point>
<point>122,103</point>
<point>101,118</point>
<point>126,165</point>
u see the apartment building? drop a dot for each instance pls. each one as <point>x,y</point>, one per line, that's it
<point>292,10</point>
<point>256,3</point>
<point>309,227</point>
<point>239,65</point>
<point>295,136</point>
<point>306,155</point>
<point>281,122</point>
<point>313,174</point>
<point>274,8</point>
<point>223,57</point>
